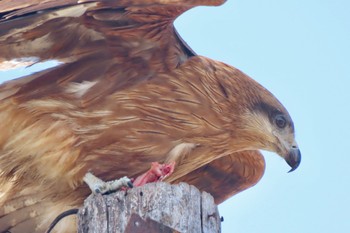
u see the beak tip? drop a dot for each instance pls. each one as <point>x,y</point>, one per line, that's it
<point>294,159</point>
<point>292,169</point>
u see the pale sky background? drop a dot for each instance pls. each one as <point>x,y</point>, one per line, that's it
<point>300,51</point>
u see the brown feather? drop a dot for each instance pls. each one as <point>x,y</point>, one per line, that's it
<point>128,92</point>
<point>229,175</point>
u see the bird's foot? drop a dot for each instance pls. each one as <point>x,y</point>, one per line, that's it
<point>99,186</point>
<point>157,172</point>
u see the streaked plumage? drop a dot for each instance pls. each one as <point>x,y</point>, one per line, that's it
<point>128,92</point>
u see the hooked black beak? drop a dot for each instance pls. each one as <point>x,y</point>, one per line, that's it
<point>294,158</point>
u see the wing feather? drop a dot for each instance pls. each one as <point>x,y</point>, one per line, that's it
<point>229,175</point>
<point>120,42</point>
<point>20,7</point>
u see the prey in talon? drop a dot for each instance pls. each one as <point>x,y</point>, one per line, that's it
<point>157,172</point>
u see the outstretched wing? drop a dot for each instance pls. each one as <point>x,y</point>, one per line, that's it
<point>118,43</point>
<point>228,175</point>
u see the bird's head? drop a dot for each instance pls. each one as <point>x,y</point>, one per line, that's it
<point>260,121</point>
<point>271,128</point>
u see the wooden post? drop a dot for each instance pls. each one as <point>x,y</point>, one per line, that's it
<point>152,208</point>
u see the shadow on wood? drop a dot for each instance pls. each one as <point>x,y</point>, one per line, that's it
<point>152,208</point>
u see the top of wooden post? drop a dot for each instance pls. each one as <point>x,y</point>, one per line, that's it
<point>154,208</point>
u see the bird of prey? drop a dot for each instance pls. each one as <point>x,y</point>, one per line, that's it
<point>128,92</point>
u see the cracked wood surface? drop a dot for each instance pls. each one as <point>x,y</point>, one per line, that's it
<point>155,207</point>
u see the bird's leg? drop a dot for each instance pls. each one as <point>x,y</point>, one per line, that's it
<point>99,186</point>
<point>180,151</point>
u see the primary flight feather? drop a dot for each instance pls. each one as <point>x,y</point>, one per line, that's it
<point>128,92</point>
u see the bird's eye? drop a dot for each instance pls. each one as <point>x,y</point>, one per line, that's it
<point>280,121</point>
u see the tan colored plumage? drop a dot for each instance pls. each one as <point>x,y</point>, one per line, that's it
<point>129,91</point>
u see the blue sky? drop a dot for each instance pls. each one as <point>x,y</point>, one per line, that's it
<point>300,51</point>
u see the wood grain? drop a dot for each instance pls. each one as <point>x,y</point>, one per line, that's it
<point>176,208</point>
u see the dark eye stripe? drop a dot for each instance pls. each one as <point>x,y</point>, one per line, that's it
<point>271,112</point>
<point>267,109</point>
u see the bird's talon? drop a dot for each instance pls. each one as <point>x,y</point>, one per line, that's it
<point>99,186</point>
<point>130,185</point>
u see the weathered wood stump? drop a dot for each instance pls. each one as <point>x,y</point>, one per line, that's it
<point>152,208</point>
